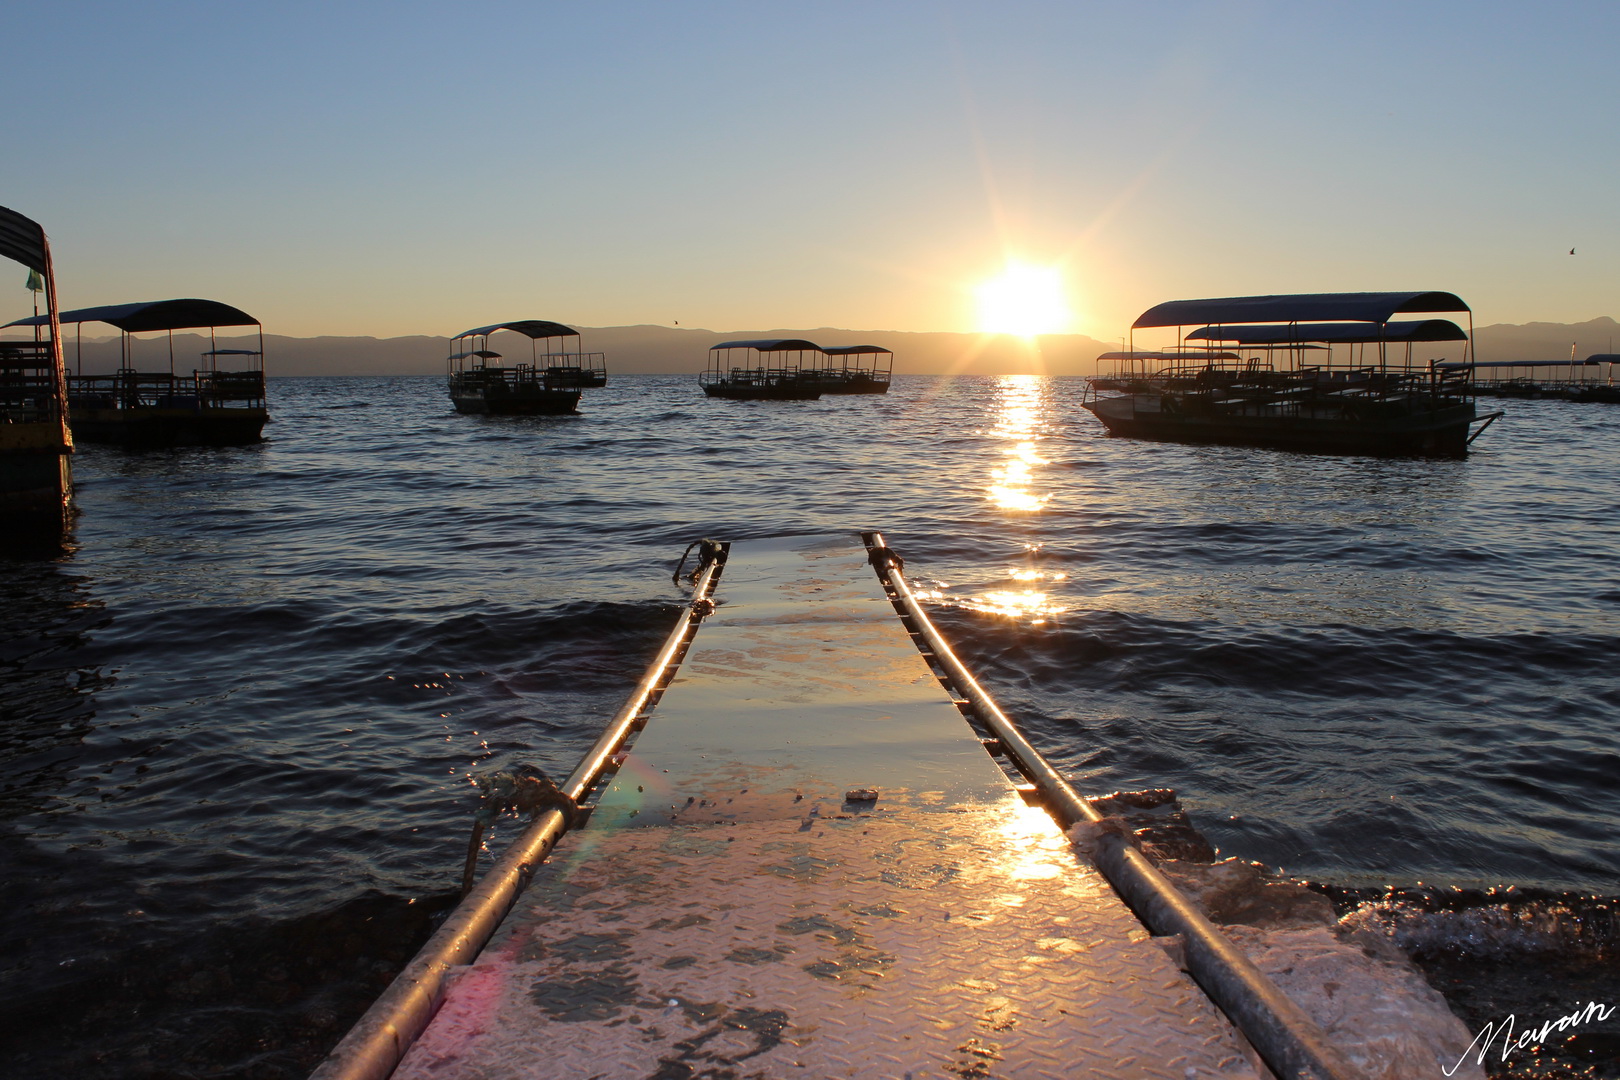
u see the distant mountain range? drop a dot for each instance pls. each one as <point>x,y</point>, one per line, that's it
<point>677,350</point>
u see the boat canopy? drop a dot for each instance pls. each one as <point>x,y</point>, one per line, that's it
<point>1333,332</point>
<point>1603,358</point>
<point>22,240</point>
<point>857,350</point>
<point>772,345</point>
<point>533,328</point>
<point>1376,307</point>
<point>233,352</point>
<point>1201,354</point>
<point>187,314</point>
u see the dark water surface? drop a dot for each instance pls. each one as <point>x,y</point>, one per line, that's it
<point>238,716</point>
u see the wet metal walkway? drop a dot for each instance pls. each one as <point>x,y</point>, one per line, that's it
<point>739,906</point>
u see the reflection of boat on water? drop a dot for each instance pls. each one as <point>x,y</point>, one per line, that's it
<point>856,369</point>
<point>36,479</point>
<point>783,379</point>
<point>1296,396</point>
<point>207,407</point>
<point>548,385</point>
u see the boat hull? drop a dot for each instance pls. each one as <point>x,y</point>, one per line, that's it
<point>36,475</point>
<point>524,401</point>
<point>855,384</point>
<point>157,427</point>
<point>748,392</point>
<point>1429,433</point>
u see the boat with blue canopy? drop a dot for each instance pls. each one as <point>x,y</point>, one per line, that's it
<point>207,406</point>
<point>1315,372</point>
<point>548,385</point>
<point>770,369</point>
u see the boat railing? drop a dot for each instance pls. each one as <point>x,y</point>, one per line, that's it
<point>27,382</point>
<point>526,376</point>
<point>216,387</point>
<point>754,376</point>
<point>127,388</point>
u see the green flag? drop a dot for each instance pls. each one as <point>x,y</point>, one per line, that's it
<point>35,282</point>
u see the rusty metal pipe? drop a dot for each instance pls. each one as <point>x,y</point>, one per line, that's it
<point>376,1043</point>
<point>1291,1043</point>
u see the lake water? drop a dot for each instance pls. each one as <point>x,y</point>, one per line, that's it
<point>240,712</point>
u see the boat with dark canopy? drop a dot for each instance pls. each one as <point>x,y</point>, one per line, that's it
<point>548,385</point>
<point>207,406</point>
<point>772,370</point>
<point>36,478</point>
<point>1316,372</point>
<point>855,369</point>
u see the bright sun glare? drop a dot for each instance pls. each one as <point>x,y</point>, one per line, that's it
<point>1024,300</point>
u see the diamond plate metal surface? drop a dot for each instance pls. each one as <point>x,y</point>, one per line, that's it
<point>728,914</point>
<point>885,944</point>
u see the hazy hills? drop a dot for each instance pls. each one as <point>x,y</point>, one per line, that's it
<point>677,350</point>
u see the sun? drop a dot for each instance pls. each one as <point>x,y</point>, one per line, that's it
<point>1024,300</point>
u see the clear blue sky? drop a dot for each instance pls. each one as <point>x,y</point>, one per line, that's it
<point>421,168</point>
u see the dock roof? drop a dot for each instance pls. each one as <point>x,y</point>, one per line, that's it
<point>1377,307</point>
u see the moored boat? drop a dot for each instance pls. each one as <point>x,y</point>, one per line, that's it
<point>1294,395</point>
<point>1568,380</point>
<point>772,370</point>
<point>36,480</point>
<point>548,385</point>
<point>855,369</point>
<point>152,409</point>
<point>1605,392</point>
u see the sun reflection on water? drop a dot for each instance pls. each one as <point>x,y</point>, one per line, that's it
<point>1019,419</point>
<point>1021,598</point>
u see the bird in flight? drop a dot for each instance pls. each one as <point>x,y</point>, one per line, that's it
<point>1572,251</point>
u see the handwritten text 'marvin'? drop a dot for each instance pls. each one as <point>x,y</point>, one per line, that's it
<point>1593,1011</point>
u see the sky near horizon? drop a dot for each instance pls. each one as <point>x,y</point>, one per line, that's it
<point>408,168</point>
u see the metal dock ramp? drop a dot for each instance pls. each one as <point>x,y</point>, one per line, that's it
<point>807,865</point>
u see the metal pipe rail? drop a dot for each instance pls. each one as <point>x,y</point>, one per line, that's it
<point>1291,1043</point>
<point>376,1043</point>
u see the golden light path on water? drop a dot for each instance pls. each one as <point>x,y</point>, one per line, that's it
<point>1023,419</point>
